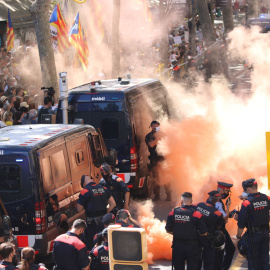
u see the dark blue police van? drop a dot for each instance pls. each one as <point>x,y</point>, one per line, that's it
<point>40,173</point>
<point>122,110</point>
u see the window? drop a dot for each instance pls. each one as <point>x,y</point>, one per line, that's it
<point>96,150</point>
<point>10,177</point>
<point>79,157</point>
<point>59,164</point>
<point>47,174</point>
<point>110,128</point>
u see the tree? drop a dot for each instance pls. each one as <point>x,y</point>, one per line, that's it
<point>164,46</point>
<point>40,14</point>
<point>228,17</point>
<point>192,27</point>
<point>115,39</point>
<point>253,8</point>
<point>207,26</point>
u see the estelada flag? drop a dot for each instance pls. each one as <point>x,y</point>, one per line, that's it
<point>78,40</point>
<point>146,9</point>
<point>10,34</point>
<point>58,22</point>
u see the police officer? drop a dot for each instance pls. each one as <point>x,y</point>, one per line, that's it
<point>208,65</point>
<point>69,251</point>
<point>94,199</point>
<point>224,261</point>
<point>254,215</point>
<point>151,140</point>
<point>8,252</point>
<point>124,219</point>
<point>183,223</point>
<point>213,220</point>
<point>100,254</point>
<point>116,186</point>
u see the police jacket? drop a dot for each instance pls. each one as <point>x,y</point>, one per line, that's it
<point>255,211</point>
<point>7,265</point>
<point>150,137</point>
<point>184,222</point>
<point>212,217</point>
<point>100,257</point>
<point>94,198</point>
<point>117,188</point>
<point>70,252</point>
<point>176,74</point>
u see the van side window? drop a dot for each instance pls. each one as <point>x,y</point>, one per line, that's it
<point>59,164</point>
<point>47,173</point>
<point>10,177</point>
<point>79,157</point>
<point>110,128</point>
<point>96,150</point>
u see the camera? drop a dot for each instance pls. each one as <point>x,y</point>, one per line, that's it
<point>48,92</point>
<point>233,212</point>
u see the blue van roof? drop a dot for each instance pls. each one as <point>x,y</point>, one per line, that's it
<point>113,85</point>
<point>28,136</point>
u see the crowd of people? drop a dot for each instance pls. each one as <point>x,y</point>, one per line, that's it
<point>19,102</point>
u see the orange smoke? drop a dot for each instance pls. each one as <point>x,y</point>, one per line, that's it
<point>159,242</point>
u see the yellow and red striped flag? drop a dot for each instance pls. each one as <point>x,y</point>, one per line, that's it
<point>57,21</point>
<point>10,34</point>
<point>78,40</point>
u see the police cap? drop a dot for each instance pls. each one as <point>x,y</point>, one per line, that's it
<point>82,180</point>
<point>108,218</point>
<point>249,183</point>
<point>154,122</point>
<point>214,193</point>
<point>224,185</point>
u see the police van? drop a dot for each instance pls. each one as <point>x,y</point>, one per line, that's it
<point>40,172</point>
<point>122,110</point>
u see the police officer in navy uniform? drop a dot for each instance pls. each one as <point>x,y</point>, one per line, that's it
<point>69,251</point>
<point>254,215</point>
<point>213,220</point>
<point>100,254</point>
<point>151,140</point>
<point>7,252</point>
<point>94,199</point>
<point>224,261</point>
<point>116,186</point>
<point>184,222</point>
<point>124,219</point>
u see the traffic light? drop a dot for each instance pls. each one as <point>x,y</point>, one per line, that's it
<point>127,248</point>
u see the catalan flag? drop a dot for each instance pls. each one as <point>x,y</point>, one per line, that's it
<point>78,40</point>
<point>57,21</point>
<point>10,34</point>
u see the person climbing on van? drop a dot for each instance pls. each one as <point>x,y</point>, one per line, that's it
<point>116,186</point>
<point>151,140</point>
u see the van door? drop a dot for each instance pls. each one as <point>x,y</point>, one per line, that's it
<point>56,178</point>
<point>79,155</point>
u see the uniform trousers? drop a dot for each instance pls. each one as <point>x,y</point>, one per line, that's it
<point>93,227</point>
<point>207,255</point>
<point>185,250</point>
<point>260,242</point>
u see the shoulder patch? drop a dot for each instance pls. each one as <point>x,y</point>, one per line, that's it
<point>268,198</point>
<point>84,191</point>
<point>218,213</point>
<point>246,203</point>
<point>197,214</point>
<point>95,252</point>
<point>171,213</point>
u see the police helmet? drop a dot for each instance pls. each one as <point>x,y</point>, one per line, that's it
<point>243,245</point>
<point>219,238</point>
